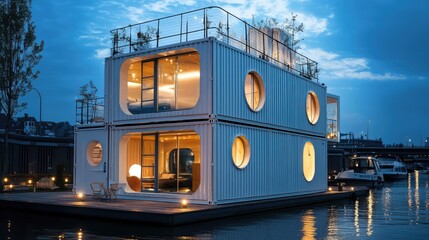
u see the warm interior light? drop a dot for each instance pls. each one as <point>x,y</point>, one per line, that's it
<point>135,170</point>
<point>30,181</point>
<point>66,180</point>
<point>188,75</point>
<point>80,196</point>
<point>10,186</point>
<point>5,180</point>
<point>53,178</point>
<point>184,203</point>
<point>134,84</point>
<point>353,188</point>
<point>330,189</point>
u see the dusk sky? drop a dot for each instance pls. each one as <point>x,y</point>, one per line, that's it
<point>372,53</point>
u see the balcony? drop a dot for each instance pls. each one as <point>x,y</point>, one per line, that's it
<point>268,44</point>
<point>90,111</point>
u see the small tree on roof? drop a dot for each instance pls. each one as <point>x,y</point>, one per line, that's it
<point>88,91</point>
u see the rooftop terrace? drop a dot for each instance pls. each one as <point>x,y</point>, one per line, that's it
<point>265,43</point>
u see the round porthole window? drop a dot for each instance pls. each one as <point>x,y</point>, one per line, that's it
<point>312,107</point>
<point>254,91</point>
<point>240,152</point>
<point>308,161</point>
<point>94,153</point>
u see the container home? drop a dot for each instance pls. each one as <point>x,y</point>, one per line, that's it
<point>205,107</point>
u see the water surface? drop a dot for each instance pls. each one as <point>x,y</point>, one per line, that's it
<point>397,211</point>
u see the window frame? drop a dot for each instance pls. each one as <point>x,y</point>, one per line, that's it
<point>246,153</point>
<point>255,77</point>
<point>312,107</point>
<point>156,84</point>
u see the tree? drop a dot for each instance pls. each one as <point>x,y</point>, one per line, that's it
<point>89,102</point>
<point>88,91</point>
<point>19,55</point>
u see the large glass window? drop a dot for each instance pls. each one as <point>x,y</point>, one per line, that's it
<point>166,162</point>
<point>164,84</point>
<point>254,91</point>
<point>332,118</point>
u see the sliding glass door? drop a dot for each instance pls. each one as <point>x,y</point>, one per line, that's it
<point>169,162</point>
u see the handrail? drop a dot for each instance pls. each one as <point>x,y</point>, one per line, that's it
<point>89,111</point>
<point>267,43</point>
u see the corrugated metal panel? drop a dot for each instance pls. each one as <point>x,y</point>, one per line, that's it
<point>275,167</point>
<point>117,90</point>
<point>84,172</point>
<point>118,154</point>
<point>285,103</point>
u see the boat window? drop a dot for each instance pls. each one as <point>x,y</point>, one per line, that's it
<point>240,152</point>
<point>312,107</point>
<point>308,161</point>
<point>94,153</point>
<point>254,91</point>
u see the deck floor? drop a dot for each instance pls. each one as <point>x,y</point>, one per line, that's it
<point>159,213</point>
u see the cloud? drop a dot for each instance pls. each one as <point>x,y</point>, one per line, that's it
<point>135,14</point>
<point>334,66</point>
<point>278,9</point>
<point>102,53</point>
<point>166,5</point>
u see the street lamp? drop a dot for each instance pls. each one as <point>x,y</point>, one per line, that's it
<point>40,107</point>
<point>367,130</point>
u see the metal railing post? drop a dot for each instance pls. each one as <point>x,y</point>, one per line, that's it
<point>157,35</point>
<point>130,38</point>
<point>181,26</point>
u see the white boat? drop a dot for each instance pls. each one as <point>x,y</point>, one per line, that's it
<point>392,168</point>
<point>362,171</point>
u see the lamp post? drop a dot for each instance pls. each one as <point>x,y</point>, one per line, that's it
<point>40,112</point>
<point>367,130</point>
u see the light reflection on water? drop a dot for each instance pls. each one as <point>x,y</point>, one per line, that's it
<point>397,211</point>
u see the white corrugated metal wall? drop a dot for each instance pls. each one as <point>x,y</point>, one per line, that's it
<point>86,173</point>
<point>275,166</point>
<point>276,134</point>
<point>286,93</point>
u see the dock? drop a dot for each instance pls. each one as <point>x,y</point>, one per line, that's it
<point>159,213</point>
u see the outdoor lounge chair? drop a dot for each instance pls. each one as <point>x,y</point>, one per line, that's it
<point>97,189</point>
<point>113,190</point>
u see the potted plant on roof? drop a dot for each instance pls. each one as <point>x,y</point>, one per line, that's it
<point>144,38</point>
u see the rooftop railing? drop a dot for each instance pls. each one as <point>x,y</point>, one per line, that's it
<point>270,44</point>
<point>89,111</point>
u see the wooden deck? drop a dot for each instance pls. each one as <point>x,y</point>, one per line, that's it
<point>158,213</point>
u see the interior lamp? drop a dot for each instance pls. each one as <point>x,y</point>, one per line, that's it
<point>135,170</point>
